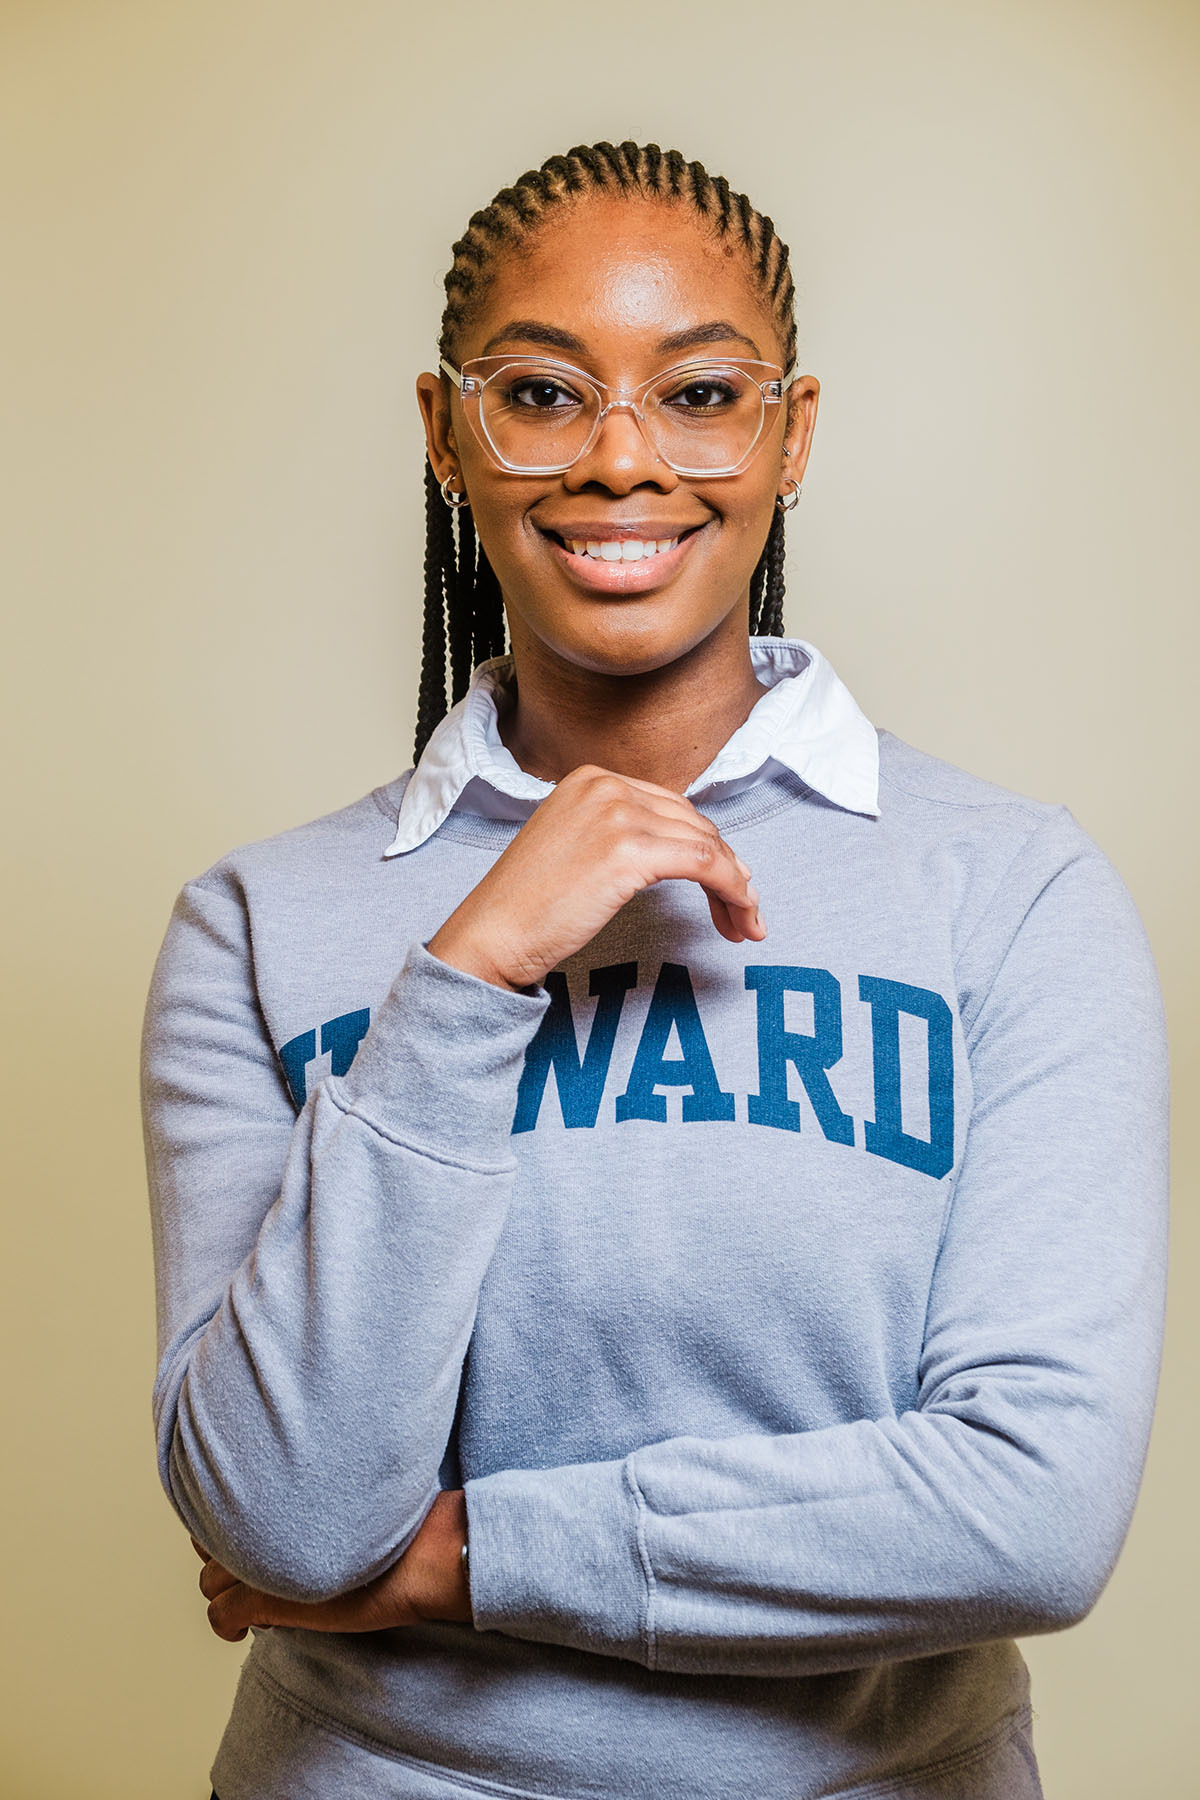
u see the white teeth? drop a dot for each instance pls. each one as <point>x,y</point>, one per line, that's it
<point>621,549</point>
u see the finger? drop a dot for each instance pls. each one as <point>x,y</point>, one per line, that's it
<point>671,803</point>
<point>636,799</point>
<point>674,809</point>
<point>747,913</point>
<point>594,770</point>
<point>236,1609</point>
<point>735,923</point>
<point>685,853</point>
<point>723,920</point>
<point>227,1613</point>
<point>239,1607</point>
<point>677,806</point>
<point>201,1552</point>
<point>662,793</point>
<point>703,858</point>
<point>215,1578</point>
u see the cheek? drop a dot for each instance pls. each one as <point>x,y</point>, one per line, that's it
<point>746,517</point>
<point>498,509</point>
<point>746,502</point>
<point>506,540</point>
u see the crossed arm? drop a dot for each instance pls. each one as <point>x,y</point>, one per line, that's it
<point>428,1582</point>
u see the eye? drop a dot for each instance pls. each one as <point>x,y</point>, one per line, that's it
<point>540,393</point>
<point>708,393</point>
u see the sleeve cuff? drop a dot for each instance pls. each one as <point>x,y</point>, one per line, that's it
<point>440,1065</point>
<point>557,1556</point>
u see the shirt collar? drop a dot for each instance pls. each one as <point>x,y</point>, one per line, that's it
<point>808,721</point>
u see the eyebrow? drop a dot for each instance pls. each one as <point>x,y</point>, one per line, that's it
<point>716,331</point>
<point>552,337</point>
<point>530,331</point>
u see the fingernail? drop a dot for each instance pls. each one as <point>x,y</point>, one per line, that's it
<point>758,920</point>
<point>751,894</point>
<point>744,868</point>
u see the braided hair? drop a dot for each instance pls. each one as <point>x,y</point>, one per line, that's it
<point>464,612</point>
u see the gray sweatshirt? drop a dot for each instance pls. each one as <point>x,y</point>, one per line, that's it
<point>791,1312</point>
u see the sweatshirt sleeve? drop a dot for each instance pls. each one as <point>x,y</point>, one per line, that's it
<point>317,1276</point>
<point>998,1505</point>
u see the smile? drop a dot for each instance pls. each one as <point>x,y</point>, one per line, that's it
<point>624,565</point>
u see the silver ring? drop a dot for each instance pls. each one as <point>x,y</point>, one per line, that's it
<point>452,500</point>
<point>786,503</point>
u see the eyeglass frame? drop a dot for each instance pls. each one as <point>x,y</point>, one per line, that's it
<point>470,388</point>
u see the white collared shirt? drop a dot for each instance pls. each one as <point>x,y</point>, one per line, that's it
<point>807,721</point>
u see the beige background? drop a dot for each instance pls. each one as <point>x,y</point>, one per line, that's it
<point>224,228</point>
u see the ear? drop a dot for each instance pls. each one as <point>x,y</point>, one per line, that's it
<point>434,402</point>
<point>801,420</point>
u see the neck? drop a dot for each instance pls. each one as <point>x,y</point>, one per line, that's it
<point>663,726</point>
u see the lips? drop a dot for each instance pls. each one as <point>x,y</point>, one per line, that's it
<point>622,560</point>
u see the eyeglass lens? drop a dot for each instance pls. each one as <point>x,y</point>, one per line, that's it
<point>698,419</point>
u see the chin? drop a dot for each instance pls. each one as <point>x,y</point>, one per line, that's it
<point>631,646</point>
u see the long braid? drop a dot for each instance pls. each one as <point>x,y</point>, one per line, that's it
<point>758,582</point>
<point>439,574</point>
<point>464,609</point>
<point>460,627</point>
<point>489,607</point>
<point>771,617</point>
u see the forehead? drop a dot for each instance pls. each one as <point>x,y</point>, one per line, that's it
<point>618,271</point>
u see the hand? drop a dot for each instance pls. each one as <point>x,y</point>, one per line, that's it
<point>427,1582</point>
<point>592,844</point>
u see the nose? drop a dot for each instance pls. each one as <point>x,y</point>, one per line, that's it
<point>620,457</point>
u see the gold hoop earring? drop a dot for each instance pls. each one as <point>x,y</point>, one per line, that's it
<point>784,503</point>
<point>454,501</point>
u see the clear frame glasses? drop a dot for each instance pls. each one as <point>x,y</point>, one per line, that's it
<point>536,416</point>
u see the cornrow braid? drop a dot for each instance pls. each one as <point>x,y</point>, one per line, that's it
<point>464,609</point>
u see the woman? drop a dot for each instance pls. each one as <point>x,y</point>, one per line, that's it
<point>660,1212</point>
